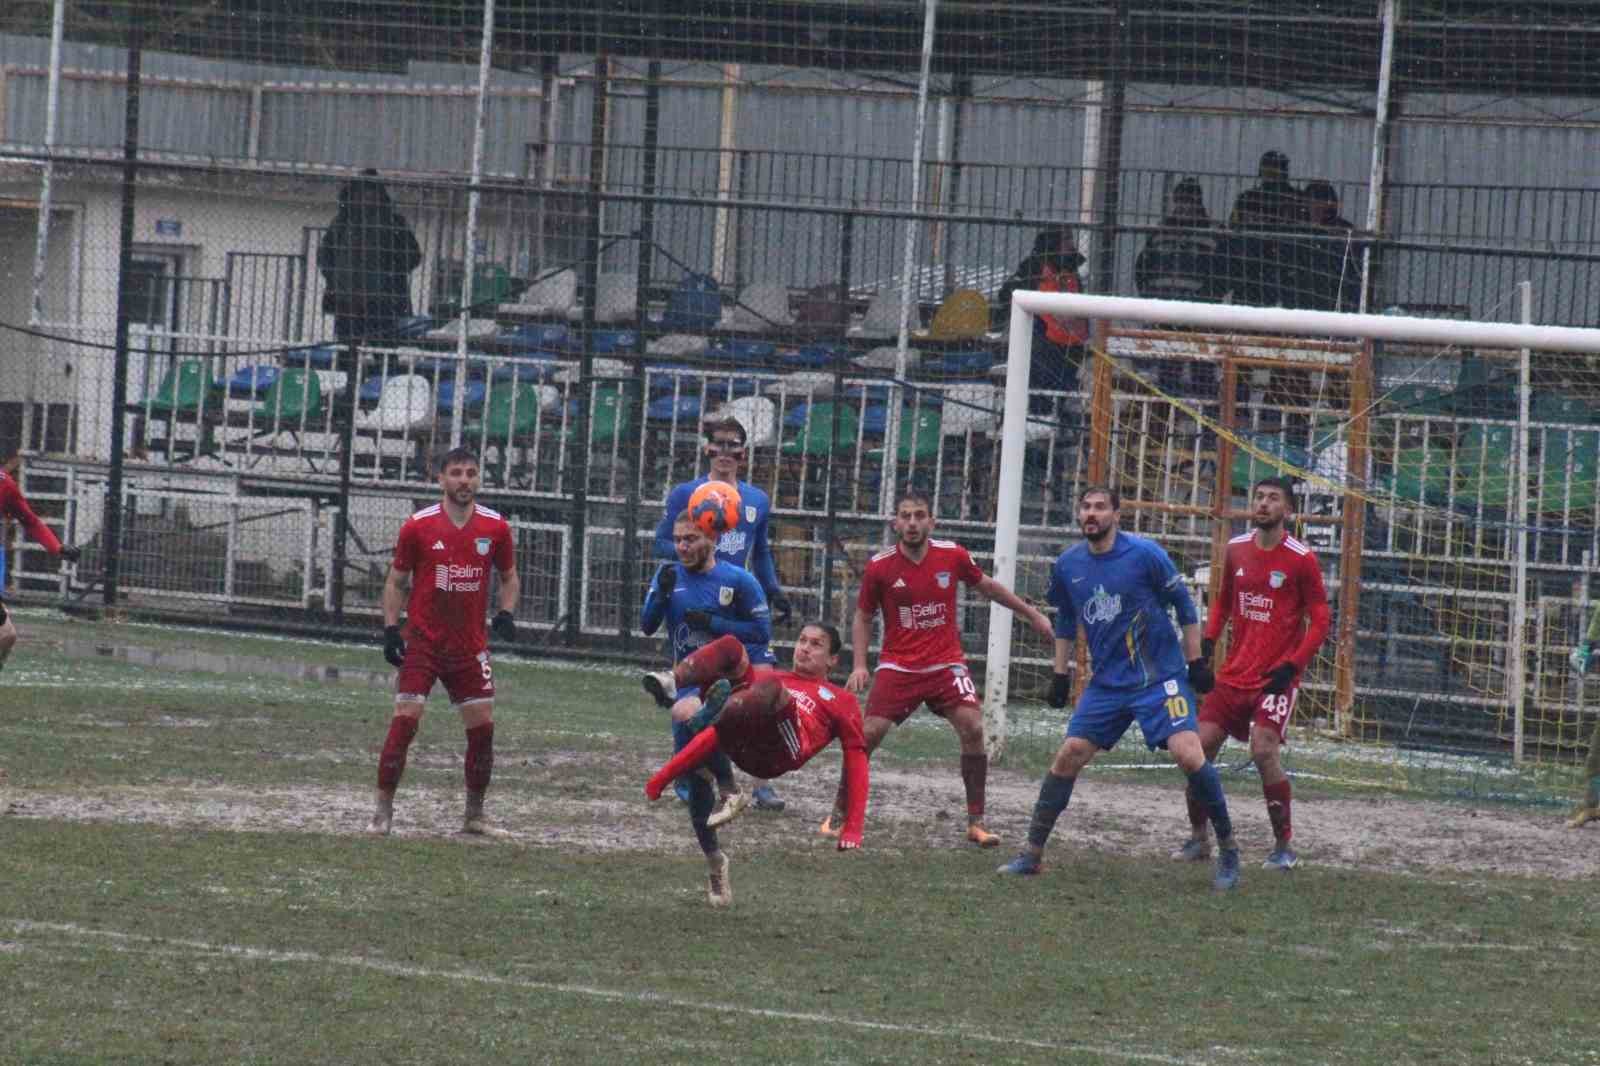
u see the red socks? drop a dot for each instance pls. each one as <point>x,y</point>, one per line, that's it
<point>723,657</point>
<point>480,756</point>
<point>392,763</point>
<point>975,776</point>
<point>1278,809</point>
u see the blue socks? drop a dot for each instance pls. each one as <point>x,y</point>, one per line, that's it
<point>1208,787</point>
<point>1054,792</point>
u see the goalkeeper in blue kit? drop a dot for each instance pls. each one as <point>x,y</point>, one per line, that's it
<point>1117,588</point>
<point>1589,811</point>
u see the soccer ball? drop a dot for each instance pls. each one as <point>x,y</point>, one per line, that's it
<point>714,507</point>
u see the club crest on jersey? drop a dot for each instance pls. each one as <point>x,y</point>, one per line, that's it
<point>725,595</point>
<point>824,693</point>
<point>750,515</point>
<point>943,578</point>
<point>1102,606</point>
<point>1277,578</point>
<point>483,545</point>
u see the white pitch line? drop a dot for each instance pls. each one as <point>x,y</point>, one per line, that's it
<point>136,942</point>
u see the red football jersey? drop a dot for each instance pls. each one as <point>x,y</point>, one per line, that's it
<point>918,601</point>
<point>1268,596</point>
<point>818,711</point>
<point>449,570</point>
<point>15,506</point>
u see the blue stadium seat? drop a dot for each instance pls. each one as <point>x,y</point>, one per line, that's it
<point>252,381</point>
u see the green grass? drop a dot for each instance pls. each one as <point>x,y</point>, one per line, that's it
<point>175,890</point>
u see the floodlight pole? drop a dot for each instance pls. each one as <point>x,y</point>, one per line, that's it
<point>908,284</point>
<point>469,257</point>
<point>41,244</point>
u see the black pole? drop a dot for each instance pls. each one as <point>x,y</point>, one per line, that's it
<point>646,253</point>
<point>345,408</point>
<point>1111,154</point>
<point>831,529</point>
<point>119,373</point>
<point>962,92</point>
<point>591,287</point>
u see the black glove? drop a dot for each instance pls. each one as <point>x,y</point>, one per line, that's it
<point>1279,678</point>
<point>782,612</point>
<point>1208,649</point>
<point>1201,678</point>
<point>394,646</point>
<point>1060,689</point>
<point>504,627</point>
<point>71,555</point>
<point>666,581</point>
<point>698,619</point>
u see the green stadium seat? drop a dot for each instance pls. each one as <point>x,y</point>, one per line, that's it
<point>1486,467</point>
<point>295,397</point>
<point>1421,475</point>
<point>1567,474</point>
<point>920,430</point>
<point>813,438</point>
<point>182,391</point>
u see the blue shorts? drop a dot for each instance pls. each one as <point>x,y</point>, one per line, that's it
<point>1162,709</point>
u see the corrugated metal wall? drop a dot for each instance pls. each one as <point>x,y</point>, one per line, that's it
<point>1501,190</point>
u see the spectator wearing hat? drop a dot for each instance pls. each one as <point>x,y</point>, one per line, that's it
<point>1058,340</point>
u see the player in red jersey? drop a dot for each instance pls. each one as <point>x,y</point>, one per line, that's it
<point>14,506</point>
<point>768,722</point>
<point>914,584</point>
<point>1272,594</point>
<point>444,553</point>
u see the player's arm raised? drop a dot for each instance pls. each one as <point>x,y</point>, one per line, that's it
<point>997,592</point>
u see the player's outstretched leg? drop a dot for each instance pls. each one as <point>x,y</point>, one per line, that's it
<point>479,769</point>
<point>723,657</point>
<point>391,765</point>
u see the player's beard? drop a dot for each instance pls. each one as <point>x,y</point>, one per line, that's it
<point>1267,525</point>
<point>1099,535</point>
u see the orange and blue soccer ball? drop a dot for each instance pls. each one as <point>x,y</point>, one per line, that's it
<point>714,507</point>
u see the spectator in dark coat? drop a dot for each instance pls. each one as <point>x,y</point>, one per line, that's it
<point>366,258</point>
<point>1331,268</point>
<point>1058,341</point>
<point>1178,262</point>
<point>1258,256</point>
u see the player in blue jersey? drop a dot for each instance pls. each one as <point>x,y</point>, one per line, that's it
<point>744,545</point>
<point>701,598</point>
<point>1117,587</point>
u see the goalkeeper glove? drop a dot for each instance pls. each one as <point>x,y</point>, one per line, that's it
<point>666,581</point>
<point>1060,689</point>
<point>1579,659</point>
<point>1201,679</point>
<point>394,646</point>
<point>781,611</point>
<point>71,555</point>
<point>1279,678</point>
<point>504,627</point>
<point>698,619</point>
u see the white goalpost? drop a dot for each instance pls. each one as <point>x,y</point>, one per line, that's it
<point>1238,319</point>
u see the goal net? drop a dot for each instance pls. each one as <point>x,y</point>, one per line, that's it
<point>1445,477</point>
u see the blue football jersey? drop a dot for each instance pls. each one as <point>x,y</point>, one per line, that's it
<point>745,545</point>
<point>1121,599</point>
<point>732,598</point>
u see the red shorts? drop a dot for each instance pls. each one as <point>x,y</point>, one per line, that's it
<point>896,694</point>
<point>467,678</point>
<point>1236,709</point>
